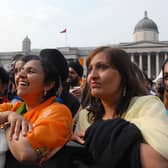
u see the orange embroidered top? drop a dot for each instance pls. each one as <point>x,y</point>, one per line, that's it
<point>52,125</point>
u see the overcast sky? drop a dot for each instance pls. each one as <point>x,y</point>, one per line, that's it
<point>88,22</point>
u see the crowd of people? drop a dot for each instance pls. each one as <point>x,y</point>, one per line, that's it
<point>51,117</point>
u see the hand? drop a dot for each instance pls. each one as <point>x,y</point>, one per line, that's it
<point>76,91</point>
<point>4,117</point>
<point>18,124</point>
<point>79,137</point>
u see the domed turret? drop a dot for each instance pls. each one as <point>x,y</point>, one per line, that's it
<point>26,45</point>
<point>146,30</point>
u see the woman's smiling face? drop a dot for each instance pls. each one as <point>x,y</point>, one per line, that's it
<point>30,80</point>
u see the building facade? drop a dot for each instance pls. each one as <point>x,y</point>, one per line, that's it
<point>146,50</point>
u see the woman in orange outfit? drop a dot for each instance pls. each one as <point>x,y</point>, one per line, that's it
<point>41,125</point>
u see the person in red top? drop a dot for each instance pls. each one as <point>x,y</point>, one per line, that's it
<point>41,125</point>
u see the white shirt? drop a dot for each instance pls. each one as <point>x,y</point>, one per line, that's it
<point>3,148</point>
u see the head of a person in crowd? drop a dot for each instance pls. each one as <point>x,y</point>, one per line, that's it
<point>16,65</point>
<point>54,56</point>
<point>4,79</point>
<point>159,88</point>
<point>112,77</point>
<point>75,73</point>
<point>16,58</point>
<point>165,74</point>
<point>148,83</point>
<point>39,78</point>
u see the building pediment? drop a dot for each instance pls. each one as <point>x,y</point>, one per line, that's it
<point>144,44</point>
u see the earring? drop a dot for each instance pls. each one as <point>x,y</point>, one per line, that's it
<point>124,91</point>
<point>60,88</point>
<point>45,93</point>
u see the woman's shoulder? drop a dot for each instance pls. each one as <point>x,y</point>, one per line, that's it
<point>59,108</point>
<point>145,105</point>
<point>148,99</point>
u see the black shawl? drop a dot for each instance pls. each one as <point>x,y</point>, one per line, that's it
<point>114,144</point>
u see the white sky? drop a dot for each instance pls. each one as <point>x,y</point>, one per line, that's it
<point>88,22</point>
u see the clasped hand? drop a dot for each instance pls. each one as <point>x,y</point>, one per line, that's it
<point>18,125</point>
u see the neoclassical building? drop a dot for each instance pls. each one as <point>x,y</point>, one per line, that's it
<point>145,50</point>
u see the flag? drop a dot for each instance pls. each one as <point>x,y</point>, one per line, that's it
<point>63,31</point>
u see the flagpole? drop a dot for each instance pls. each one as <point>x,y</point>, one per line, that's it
<point>66,39</point>
<point>65,32</point>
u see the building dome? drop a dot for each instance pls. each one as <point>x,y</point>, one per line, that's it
<point>146,24</point>
<point>146,30</point>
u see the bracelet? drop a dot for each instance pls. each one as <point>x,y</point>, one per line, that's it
<point>41,154</point>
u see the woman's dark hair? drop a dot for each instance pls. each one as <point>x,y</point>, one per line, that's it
<point>56,62</point>
<point>55,66</point>
<point>131,83</point>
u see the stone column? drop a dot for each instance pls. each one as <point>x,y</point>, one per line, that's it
<point>149,64</point>
<point>132,57</point>
<point>165,56</point>
<point>140,61</point>
<point>157,64</point>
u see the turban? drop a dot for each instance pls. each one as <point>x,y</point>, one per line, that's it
<point>77,67</point>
